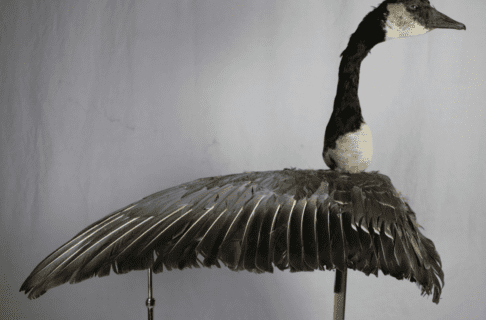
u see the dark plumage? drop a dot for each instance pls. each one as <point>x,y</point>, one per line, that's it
<point>346,116</point>
<point>298,219</point>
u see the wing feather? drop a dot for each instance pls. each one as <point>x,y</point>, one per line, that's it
<point>197,229</point>
<point>264,253</point>
<point>309,234</point>
<point>281,245</point>
<point>46,267</point>
<point>324,233</point>
<point>231,247</point>
<point>295,241</point>
<point>210,243</point>
<point>258,238</point>
<point>249,240</point>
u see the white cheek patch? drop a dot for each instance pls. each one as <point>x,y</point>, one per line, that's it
<point>400,23</point>
<point>353,151</point>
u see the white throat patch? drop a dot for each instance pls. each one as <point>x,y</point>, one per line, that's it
<point>400,23</point>
<point>353,151</point>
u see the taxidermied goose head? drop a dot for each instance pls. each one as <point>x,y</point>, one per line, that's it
<point>347,141</point>
<point>415,17</point>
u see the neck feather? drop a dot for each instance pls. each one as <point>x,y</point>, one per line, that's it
<point>369,33</point>
<point>346,100</point>
<point>346,116</point>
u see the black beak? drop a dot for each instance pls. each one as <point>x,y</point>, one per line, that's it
<point>437,20</point>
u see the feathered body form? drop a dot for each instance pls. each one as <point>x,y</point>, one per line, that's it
<point>302,220</point>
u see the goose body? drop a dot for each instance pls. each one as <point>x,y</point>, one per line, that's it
<point>298,219</point>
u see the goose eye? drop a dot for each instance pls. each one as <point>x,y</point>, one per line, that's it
<point>413,7</point>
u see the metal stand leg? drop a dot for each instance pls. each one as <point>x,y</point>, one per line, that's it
<point>150,303</point>
<point>340,294</point>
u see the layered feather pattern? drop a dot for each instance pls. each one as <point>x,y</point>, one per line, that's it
<point>298,219</point>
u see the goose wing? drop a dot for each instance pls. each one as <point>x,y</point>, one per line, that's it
<point>298,219</point>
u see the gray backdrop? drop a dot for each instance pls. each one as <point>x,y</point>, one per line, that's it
<point>104,102</point>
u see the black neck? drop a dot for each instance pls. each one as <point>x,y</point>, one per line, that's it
<point>346,100</point>
<point>346,116</point>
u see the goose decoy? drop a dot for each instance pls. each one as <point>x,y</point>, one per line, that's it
<point>302,220</point>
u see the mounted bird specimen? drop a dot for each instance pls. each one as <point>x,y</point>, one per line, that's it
<point>301,220</point>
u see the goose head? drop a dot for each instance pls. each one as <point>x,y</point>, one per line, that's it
<point>407,18</point>
<point>396,19</point>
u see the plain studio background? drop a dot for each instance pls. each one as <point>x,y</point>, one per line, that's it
<point>105,102</point>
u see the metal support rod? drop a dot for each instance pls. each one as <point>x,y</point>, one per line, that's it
<point>340,294</point>
<point>150,303</point>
